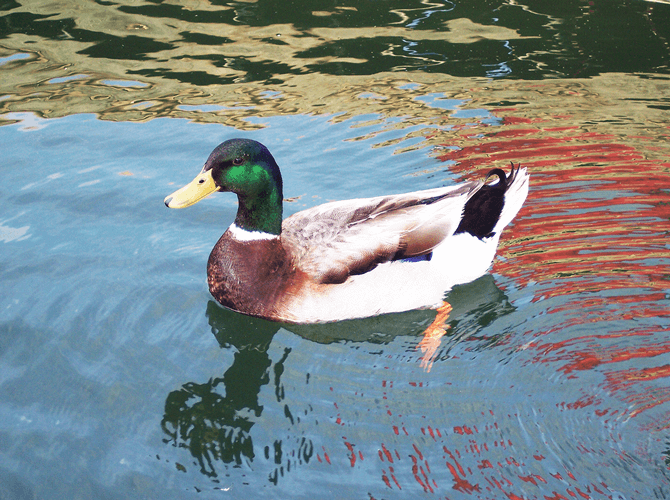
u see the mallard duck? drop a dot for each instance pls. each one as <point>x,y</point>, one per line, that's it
<point>346,259</point>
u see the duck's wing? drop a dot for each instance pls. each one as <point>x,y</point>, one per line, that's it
<point>336,240</point>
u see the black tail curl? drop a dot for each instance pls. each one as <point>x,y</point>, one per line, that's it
<point>482,211</point>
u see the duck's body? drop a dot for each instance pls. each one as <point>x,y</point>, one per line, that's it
<point>346,259</point>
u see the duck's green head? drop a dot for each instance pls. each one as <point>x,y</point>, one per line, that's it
<point>246,168</point>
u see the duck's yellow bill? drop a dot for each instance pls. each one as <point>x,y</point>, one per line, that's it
<point>200,187</point>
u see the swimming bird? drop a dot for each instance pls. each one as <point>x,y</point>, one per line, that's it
<point>346,259</point>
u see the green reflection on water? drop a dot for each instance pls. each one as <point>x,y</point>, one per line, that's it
<point>309,50</point>
<point>213,420</point>
<point>547,38</point>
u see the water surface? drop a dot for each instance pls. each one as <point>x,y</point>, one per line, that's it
<point>121,378</point>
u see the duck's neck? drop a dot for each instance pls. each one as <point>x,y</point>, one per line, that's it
<point>260,213</point>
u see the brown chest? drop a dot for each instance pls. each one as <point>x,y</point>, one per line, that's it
<point>252,277</point>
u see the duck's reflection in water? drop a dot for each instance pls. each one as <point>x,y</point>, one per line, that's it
<point>213,419</point>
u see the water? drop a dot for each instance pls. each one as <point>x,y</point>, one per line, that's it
<point>121,378</point>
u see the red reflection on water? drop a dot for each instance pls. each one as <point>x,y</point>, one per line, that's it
<point>593,234</point>
<point>596,219</point>
<point>487,477</point>
<point>591,241</point>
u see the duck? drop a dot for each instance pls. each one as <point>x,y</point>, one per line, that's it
<point>346,259</point>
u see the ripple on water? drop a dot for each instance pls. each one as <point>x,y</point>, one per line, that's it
<point>551,380</point>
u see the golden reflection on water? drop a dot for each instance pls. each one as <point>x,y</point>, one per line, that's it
<point>189,61</point>
<point>281,44</point>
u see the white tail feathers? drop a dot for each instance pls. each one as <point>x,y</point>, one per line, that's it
<point>515,195</point>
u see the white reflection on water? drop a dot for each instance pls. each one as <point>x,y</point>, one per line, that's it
<point>8,233</point>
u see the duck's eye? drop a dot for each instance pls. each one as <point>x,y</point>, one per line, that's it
<point>238,161</point>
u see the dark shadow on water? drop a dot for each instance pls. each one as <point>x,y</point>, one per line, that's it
<point>214,419</point>
<point>12,487</point>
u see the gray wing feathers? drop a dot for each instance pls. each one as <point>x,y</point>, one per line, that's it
<point>336,240</point>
